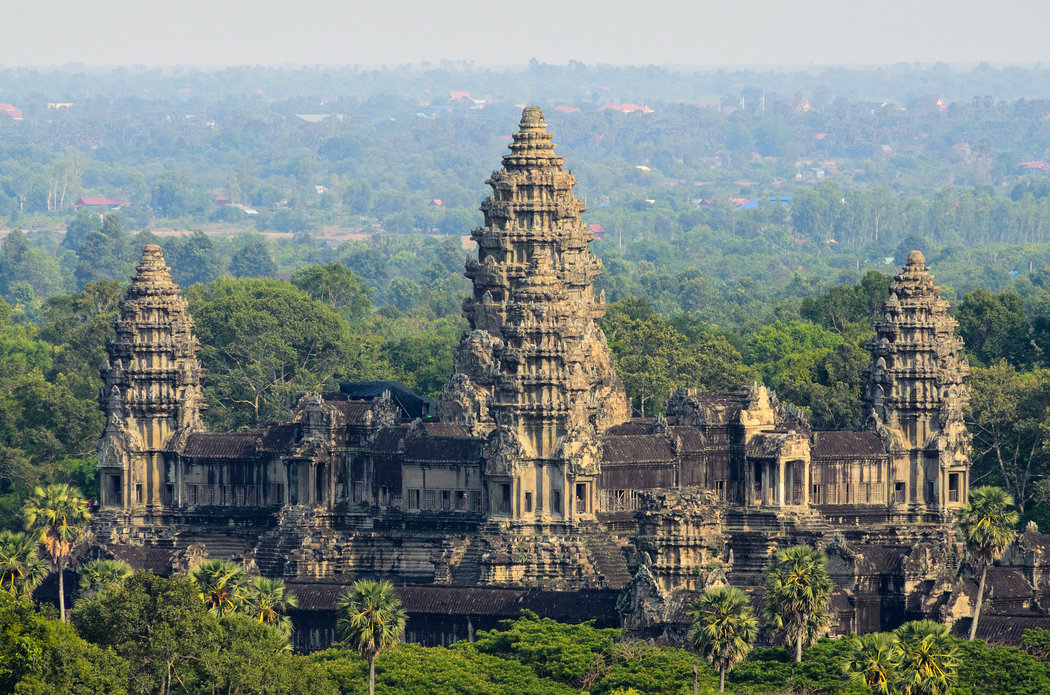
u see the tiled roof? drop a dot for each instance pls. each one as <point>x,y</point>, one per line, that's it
<point>1002,629</point>
<point>388,440</point>
<point>353,411</point>
<point>233,445</point>
<point>842,444</point>
<point>443,449</point>
<point>635,426</point>
<point>1036,541</point>
<point>445,429</point>
<point>1003,584</point>
<point>692,439</point>
<point>649,448</point>
<point>280,437</point>
<point>572,606</point>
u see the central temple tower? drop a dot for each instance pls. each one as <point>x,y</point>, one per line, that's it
<point>535,375</point>
<point>152,393</point>
<point>917,395</point>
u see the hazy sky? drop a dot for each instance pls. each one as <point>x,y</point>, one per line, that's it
<point>507,32</point>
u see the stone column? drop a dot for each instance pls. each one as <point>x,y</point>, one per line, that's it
<point>780,483</point>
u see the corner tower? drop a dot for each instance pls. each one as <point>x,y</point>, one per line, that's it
<point>916,393</point>
<point>152,390</point>
<point>535,374</point>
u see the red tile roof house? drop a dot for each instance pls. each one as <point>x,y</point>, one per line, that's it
<point>110,203</point>
<point>11,111</point>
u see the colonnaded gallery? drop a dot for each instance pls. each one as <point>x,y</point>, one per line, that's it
<point>531,486</point>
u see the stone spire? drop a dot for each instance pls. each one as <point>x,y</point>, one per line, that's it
<point>916,390</point>
<point>152,387</point>
<point>536,366</point>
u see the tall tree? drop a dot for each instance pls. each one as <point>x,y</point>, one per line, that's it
<point>99,573</point>
<point>261,341</point>
<point>224,588</point>
<point>21,568</point>
<point>341,289</point>
<point>722,628</point>
<point>369,618</point>
<point>927,659</point>
<point>253,260</point>
<point>988,522</point>
<point>58,515</point>
<point>872,659</point>
<point>798,589</point>
<point>268,600</point>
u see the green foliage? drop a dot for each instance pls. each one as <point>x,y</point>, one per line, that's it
<point>994,327</point>
<point>723,627</point>
<point>40,656</point>
<point>262,341</point>
<point>664,671</point>
<point>21,567</point>
<point>653,358</point>
<point>164,631</point>
<point>797,593</point>
<point>224,587</point>
<point>986,670</point>
<point>336,286</point>
<point>409,669</point>
<point>253,260</point>
<point>100,573</point>
<point>927,658</point>
<point>370,620</point>
<point>1006,415</point>
<point>559,651</point>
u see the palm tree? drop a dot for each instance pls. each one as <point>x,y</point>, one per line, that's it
<point>58,515</point>
<point>99,573</point>
<point>223,586</point>
<point>267,601</point>
<point>927,659</point>
<point>872,660</point>
<point>21,569</point>
<point>988,522</point>
<point>797,592</point>
<point>723,628</point>
<point>369,618</point>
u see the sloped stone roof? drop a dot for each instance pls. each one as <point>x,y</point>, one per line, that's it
<point>844,444</point>
<point>232,445</point>
<point>649,448</point>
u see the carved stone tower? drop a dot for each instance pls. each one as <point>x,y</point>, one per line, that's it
<point>917,395</point>
<point>152,393</point>
<point>535,374</point>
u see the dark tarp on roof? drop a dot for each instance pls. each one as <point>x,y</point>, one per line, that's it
<point>844,444</point>
<point>412,404</point>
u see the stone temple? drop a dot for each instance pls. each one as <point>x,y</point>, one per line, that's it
<point>535,488</point>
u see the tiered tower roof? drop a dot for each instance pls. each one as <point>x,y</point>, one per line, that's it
<point>916,382</point>
<point>152,373</point>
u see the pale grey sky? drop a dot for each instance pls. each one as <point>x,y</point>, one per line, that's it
<point>509,32</point>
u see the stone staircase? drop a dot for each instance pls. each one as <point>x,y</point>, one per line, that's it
<point>606,556</point>
<point>466,569</point>
<point>278,544</point>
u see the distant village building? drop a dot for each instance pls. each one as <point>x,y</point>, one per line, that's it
<point>98,204</point>
<point>534,487</point>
